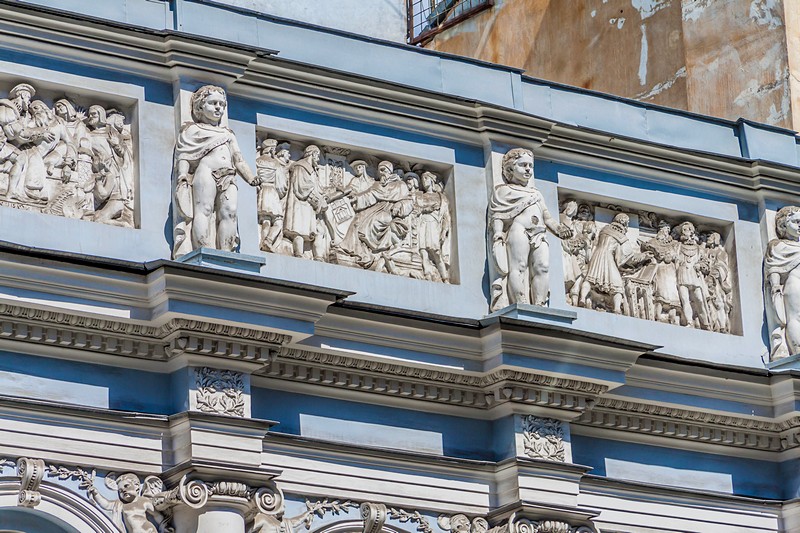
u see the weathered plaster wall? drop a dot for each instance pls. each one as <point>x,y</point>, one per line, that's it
<point>727,59</point>
<point>381,19</point>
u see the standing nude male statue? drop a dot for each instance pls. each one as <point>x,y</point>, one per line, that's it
<point>207,160</point>
<point>518,220</point>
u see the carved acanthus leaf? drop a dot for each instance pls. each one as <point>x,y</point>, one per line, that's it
<point>543,438</point>
<point>220,391</point>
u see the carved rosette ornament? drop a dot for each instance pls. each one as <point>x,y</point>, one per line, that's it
<point>543,438</point>
<point>220,391</point>
<point>32,472</point>
<point>354,210</point>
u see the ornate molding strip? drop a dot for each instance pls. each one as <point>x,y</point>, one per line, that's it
<point>459,523</point>
<point>135,340</point>
<point>142,502</point>
<point>692,425</point>
<point>480,392</point>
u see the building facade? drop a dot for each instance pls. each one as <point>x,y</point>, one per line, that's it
<point>262,276</point>
<point>729,59</point>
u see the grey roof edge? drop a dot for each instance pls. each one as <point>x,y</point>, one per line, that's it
<point>148,267</point>
<point>734,126</point>
<point>32,5</point>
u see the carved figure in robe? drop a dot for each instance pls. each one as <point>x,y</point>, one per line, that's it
<point>271,168</point>
<point>361,181</point>
<point>27,170</point>
<point>381,221</point>
<point>207,161</point>
<point>305,205</point>
<point>434,228</point>
<point>518,220</point>
<point>782,284</point>
<point>58,154</point>
<point>121,132</point>
<point>665,284</point>
<point>719,283</point>
<point>109,155</point>
<point>612,254</point>
<point>134,505</point>
<point>691,267</point>
<point>578,248</point>
<point>74,122</point>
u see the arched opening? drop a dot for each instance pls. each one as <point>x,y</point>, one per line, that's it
<point>60,510</point>
<point>22,520</point>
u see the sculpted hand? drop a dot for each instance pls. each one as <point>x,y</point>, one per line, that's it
<point>563,231</point>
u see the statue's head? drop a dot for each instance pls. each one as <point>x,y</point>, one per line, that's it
<point>22,94</point>
<point>313,152</point>
<point>359,167</point>
<point>429,181</point>
<point>518,166</point>
<point>268,147</point>
<point>284,152</point>
<point>385,170</point>
<point>622,219</point>
<point>128,486</point>
<point>40,113</point>
<point>96,117</point>
<point>208,104</point>
<point>685,232</point>
<point>713,239</point>
<point>65,109</point>
<point>787,222</point>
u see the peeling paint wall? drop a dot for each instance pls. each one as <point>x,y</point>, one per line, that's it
<point>726,58</point>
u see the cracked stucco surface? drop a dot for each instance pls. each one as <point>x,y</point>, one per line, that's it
<point>728,58</point>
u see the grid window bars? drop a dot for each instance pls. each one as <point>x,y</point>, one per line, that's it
<point>426,18</point>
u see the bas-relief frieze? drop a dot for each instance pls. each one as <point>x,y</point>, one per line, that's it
<point>641,264</point>
<point>72,158</point>
<point>332,205</point>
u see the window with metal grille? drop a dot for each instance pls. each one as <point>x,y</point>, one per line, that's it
<point>426,18</point>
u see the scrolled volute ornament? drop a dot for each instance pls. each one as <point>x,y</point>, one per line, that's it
<point>521,525</point>
<point>269,500</point>
<point>32,472</point>
<point>374,516</point>
<point>193,493</point>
